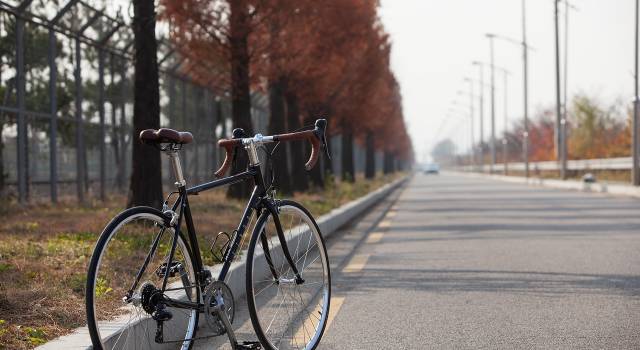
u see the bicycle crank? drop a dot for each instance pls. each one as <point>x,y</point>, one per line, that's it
<point>218,301</point>
<point>219,310</point>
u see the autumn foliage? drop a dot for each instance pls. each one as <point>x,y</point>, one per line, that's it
<point>313,59</point>
<point>594,131</point>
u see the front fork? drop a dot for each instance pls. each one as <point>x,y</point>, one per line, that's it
<point>283,243</point>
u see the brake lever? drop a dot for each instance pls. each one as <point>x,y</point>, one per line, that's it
<point>325,146</point>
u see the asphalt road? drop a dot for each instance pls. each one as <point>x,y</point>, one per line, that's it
<point>467,263</point>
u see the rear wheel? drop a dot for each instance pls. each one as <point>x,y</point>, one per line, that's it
<point>287,314</point>
<point>119,308</point>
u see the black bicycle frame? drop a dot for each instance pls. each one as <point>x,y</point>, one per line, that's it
<point>257,202</point>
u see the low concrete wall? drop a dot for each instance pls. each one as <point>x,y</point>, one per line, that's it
<point>328,223</point>
<point>598,187</point>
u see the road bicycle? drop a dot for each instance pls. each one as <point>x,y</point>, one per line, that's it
<point>147,285</point>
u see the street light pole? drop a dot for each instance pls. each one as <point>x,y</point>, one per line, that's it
<point>492,145</point>
<point>481,107</point>
<point>635,151</point>
<point>560,122</point>
<point>525,73</point>
<point>471,113</point>
<point>506,121</point>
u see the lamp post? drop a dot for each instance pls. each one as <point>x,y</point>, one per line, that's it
<point>463,115</point>
<point>471,117</point>
<point>469,110</point>
<point>560,121</point>
<point>635,151</point>
<point>492,143</point>
<point>506,120</point>
<point>481,108</point>
<point>525,74</point>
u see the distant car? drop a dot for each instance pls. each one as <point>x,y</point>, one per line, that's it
<point>431,168</point>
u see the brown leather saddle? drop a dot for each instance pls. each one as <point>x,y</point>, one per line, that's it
<point>164,135</point>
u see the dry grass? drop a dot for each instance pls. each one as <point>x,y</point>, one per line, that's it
<point>45,249</point>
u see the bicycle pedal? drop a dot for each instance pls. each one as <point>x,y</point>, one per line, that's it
<point>249,345</point>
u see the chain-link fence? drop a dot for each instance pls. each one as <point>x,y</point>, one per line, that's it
<point>66,102</point>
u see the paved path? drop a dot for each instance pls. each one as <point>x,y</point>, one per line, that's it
<point>472,263</point>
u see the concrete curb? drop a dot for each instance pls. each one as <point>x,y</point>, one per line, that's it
<point>328,223</point>
<point>575,185</point>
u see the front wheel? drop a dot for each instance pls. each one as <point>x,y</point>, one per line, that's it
<point>125,283</point>
<point>286,312</point>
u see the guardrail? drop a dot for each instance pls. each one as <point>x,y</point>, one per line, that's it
<point>621,163</point>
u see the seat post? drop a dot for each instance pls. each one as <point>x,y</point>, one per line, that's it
<point>177,168</point>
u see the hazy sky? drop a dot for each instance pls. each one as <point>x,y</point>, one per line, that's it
<point>434,43</point>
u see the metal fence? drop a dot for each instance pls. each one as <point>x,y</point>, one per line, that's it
<point>66,104</point>
<point>66,108</point>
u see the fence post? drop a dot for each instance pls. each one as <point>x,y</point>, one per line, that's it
<point>53,125</point>
<point>101,115</point>
<point>185,160</point>
<point>80,170</point>
<point>122,171</point>
<point>172,97</point>
<point>197,99</point>
<point>22,124</point>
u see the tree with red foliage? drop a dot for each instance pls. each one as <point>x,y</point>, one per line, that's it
<point>218,31</point>
<point>314,59</point>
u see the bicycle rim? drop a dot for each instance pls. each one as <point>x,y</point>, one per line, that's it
<point>287,315</point>
<point>118,258</point>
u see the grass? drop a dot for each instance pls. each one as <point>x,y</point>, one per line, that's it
<point>45,249</point>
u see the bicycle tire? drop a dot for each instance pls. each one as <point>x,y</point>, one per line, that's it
<point>294,327</point>
<point>116,224</point>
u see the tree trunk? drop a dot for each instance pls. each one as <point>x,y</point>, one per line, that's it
<point>348,172</point>
<point>370,157</point>
<point>298,176</point>
<point>146,179</point>
<point>115,144</point>
<point>240,93</point>
<point>387,160</point>
<point>281,178</point>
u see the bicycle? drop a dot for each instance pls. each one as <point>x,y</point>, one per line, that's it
<point>147,284</point>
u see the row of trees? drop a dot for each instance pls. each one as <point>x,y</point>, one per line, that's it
<point>328,59</point>
<point>594,130</point>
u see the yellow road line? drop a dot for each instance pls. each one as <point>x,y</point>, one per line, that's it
<point>374,237</point>
<point>384,224</point>
<point>336,304</point>
<point>309,326</point>
<point>356,263</point>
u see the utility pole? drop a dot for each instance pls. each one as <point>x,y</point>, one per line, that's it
<point>560,122</point>
<point>473,143</point>
<point>635,151</point>
<point>471,113</point>
<point>492,145</point>
<point>525,73</point>
<point>506,121</point>
<point>481,107</point>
